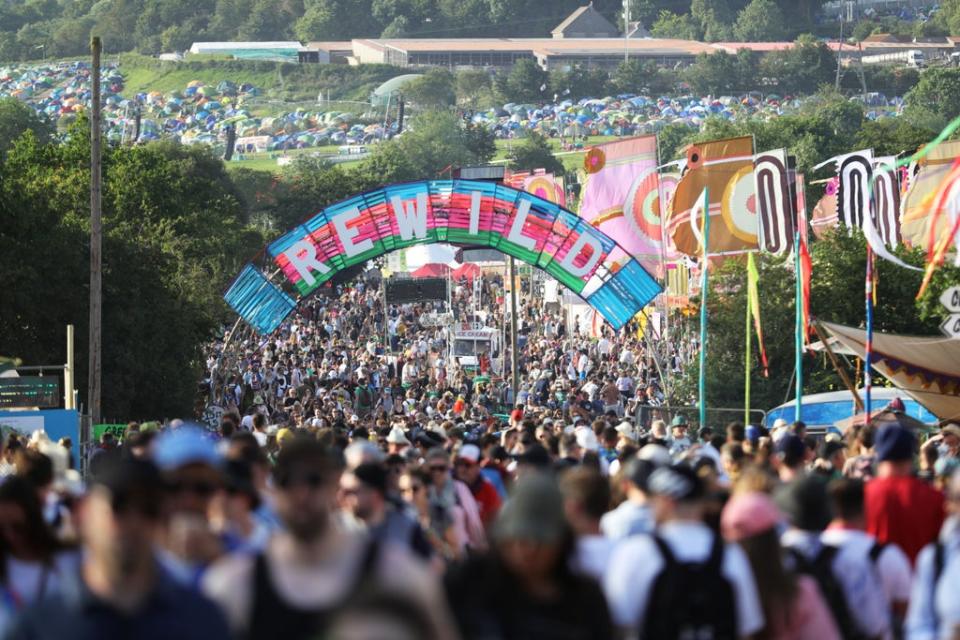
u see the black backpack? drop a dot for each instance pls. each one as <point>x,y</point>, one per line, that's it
<point>691,601</point>
<point>820,568</point>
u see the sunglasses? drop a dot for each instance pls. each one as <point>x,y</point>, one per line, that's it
<point>309,479</point>
<point>439,468</point>
<point>199,488</point>
<point>464,463</point>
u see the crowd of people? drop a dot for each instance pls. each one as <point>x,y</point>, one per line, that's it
<point>357,484</point>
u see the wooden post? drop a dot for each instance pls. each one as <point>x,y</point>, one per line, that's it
<point>96,240</point>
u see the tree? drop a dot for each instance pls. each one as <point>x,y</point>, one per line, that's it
<point>581,81</point>
<point>432,89</point>
<point>525,82</point>
<point>16,118</point>
<point>935,100</point>
<point>892,136</point>
<point>721,73</point>
<point>534,152</point>
<point>672,25</point>
<point>474,88</point>
<point>714,18</point>
<point>760,21</point>
<point>803,68</point>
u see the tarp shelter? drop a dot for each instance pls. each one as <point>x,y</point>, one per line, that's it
<point>927,368</point>
<point>432,270</point>
<point>467,270</point>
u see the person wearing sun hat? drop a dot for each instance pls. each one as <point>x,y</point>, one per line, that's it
<point>792,604</point>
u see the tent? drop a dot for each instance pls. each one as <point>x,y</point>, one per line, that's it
<point>467,270</point>
<point>432,270</point>
<point>927,368</point>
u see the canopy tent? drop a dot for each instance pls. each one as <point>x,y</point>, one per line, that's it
<point>432,270</point>
<point>467,270</point>
<point>927,368</point>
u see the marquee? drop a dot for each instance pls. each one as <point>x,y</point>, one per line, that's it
<point>464,212</point>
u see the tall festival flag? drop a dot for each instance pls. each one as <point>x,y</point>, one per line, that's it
<point>753,313</point>
<point>702,235</point>
<point>725,169</point>
<point>621,196</point>
<point>855,199</point>
<point>774,204</point>
<point>803,268</point>
<point>924,178</point>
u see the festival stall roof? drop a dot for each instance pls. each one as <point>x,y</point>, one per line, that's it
<point>926,368</point>
<point>432,270</point>
<point>468,271</point>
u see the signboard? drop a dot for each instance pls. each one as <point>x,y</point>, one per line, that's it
<point>58,423</point>
<point>951,299</point>
<point>116,429</point>
<point>403,290</point>
<point>30,391</point>
<point>466,212</point>
<point>951,326</point>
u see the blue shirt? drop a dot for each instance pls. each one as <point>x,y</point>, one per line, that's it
<point>169,611</point>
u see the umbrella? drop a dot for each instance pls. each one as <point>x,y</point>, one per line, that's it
<point>892,414</point>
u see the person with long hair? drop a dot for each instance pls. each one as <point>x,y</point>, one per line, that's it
<point>793,607</point>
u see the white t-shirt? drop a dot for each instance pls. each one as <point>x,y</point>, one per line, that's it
<point>636,563</point>
<point>592,556</point>
<point>892,566</point>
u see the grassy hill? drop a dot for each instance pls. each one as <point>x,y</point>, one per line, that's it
<point>278,81</point>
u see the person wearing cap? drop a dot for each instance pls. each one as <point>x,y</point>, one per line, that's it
<point>633,516</point>
<point>294,587</point>
<point>934,611</point>
<point>900,508</point>
<point>466,468</point>
<point>397,440</point>
<point>191,467</point>
<point>120,590</point>
<point>849,584</point>
<point>525,587</point>
<point>846,532</point>
<point>632,580</point>
<point>363,498</point>
<point>793,607</point>
<point>679,442</point>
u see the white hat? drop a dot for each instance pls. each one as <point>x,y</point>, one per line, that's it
<point>626,429</point>
<point>469,452</point>
<point>655,453</point>
<point>397,436</point>
<point>587,439</point>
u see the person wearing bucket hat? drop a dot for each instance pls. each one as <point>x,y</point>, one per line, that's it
<point>525,586</point>
<point>900,508</point>
<point>847,583</point>
<point>683,577</point>
<point>792,604</point>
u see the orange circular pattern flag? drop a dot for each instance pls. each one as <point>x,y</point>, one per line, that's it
<point>594,160</point>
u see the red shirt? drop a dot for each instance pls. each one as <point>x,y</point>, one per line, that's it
<point>905,511</point>
<point>487,499</point>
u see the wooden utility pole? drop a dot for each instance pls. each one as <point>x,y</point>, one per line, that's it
<point>96,241</point>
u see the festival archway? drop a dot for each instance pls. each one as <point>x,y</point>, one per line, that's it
<point>463,212</point>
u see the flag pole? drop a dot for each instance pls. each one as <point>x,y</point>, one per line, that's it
<point>746,359</point>
<point>798,327</point>
<point>868,351</point>
<point>703,309</point>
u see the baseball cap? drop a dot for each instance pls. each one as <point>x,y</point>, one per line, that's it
<point>177,448</point>
<point>678,481</point>
<point>469,452</point>
<point>747,514</point>
<point>533,512</point>
<point>894,443</point>
<point>678,421</point>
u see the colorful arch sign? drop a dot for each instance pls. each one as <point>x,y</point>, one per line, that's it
<point>466,212</point>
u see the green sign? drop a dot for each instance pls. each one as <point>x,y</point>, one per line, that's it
<point>116,429</point>
<point>42,392</point>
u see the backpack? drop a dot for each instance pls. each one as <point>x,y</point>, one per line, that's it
<point>820,568</point>
<point>691,601</point>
